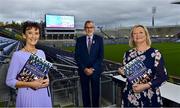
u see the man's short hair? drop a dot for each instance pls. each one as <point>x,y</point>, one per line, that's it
<point>88,21</point>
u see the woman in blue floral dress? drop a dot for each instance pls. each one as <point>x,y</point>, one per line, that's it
<point>144,93</point>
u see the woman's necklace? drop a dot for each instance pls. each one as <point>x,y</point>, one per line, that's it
<point>33,51</point>
<point>142,50</point>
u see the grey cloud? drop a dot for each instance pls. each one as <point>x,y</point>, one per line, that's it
<point>107,13</point>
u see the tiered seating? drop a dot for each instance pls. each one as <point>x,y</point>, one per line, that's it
<point>9,48</point>
<point>6,47</point>
<point>60,57</point>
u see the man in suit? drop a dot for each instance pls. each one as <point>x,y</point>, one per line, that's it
<point>89,53</point>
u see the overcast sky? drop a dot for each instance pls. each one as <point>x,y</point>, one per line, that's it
<point>107,13</point>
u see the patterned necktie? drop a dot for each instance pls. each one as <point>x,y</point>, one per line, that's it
<point>89,44</point>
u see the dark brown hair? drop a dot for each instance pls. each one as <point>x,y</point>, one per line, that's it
<point>29,24</point>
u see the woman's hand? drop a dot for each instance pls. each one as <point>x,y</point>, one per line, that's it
<point>45,82</point>
<point>36,84</point>
<point>140,87</point>
<point>39,83</point>
<point>121,70</point>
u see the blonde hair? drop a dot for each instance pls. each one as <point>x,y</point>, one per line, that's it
<point>131,41</point>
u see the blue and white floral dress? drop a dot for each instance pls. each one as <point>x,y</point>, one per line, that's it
<point>154,62</point>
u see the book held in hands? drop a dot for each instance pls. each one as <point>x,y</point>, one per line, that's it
<point>35,68</point>
<point>136,71</point>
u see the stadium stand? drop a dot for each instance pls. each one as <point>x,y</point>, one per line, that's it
<point>64,79</point>
<point>7,46</point>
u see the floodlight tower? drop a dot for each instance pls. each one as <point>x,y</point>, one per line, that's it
<point>153,14</point>
<point>176,2</point>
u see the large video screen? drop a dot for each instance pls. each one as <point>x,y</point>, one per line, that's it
<point>57,21</point>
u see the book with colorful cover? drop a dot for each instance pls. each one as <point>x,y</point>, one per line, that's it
<point>136,71</point>
<point>35,68</point>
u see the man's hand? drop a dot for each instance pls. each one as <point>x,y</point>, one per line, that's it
<point>88,71</point>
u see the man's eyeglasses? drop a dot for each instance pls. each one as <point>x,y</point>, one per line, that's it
<point>89,27</point>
